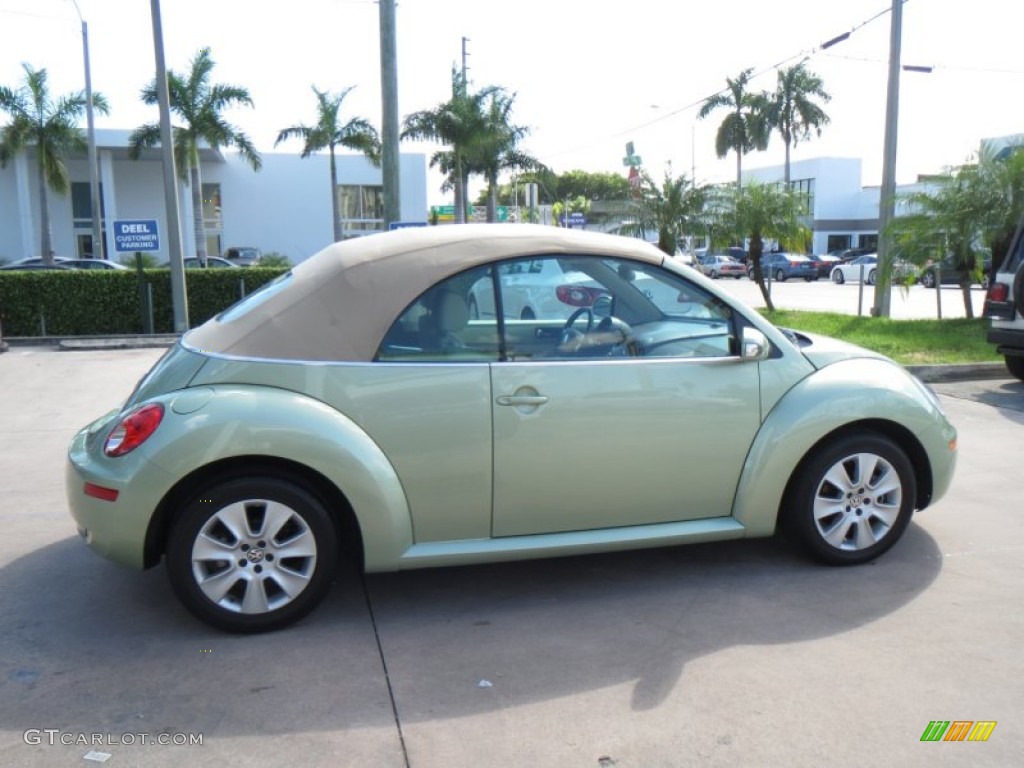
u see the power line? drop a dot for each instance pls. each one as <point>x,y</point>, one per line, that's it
<point>804,54</point>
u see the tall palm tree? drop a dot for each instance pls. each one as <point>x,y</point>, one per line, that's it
<point>329,133</point>
<point>51,127</point>
<point>497,148</point>
<point>200,104</point>
<point>673,210</point>
<point>756,213</point>
<point>745,128</point>
<point>457,123</point>
<point>792,111</point>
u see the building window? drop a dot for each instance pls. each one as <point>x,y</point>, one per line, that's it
<point>804,191</point>
<point>362,208</point>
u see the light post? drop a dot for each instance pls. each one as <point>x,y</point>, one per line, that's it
<point>94,184</point>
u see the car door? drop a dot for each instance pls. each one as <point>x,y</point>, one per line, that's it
<point>649,428</point>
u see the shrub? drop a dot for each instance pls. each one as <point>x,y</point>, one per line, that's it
<point>104,302</point>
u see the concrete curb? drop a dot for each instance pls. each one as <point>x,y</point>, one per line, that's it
<point>959,372</point>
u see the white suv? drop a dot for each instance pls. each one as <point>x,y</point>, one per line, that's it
<point>1004,305</point>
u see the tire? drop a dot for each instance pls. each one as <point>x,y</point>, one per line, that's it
<point>928,279</point>
<point>840,517</point>
<point>1015,365</point>
<point>714,275</point>
<point>872,276</point>
<point>837,277</point>
<point>780,276</point>
<point>252,554</point>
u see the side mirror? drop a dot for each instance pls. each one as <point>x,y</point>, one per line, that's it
<point>754,345</point>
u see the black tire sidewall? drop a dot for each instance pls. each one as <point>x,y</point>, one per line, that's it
<point>798,507</point>
<point>198,511</point>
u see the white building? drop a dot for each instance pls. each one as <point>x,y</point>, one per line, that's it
<point>284,207</point>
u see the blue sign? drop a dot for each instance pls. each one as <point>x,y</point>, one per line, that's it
<point>576,219</point>
<point>136,235</point>
<point>406,224</point>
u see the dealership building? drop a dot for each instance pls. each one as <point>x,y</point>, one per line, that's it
<point>284,207</point>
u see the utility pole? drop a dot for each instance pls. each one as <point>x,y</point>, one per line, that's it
<point>887,200</point>
<point>464,67</point>
<point>390,157</point>
<point>179,299</point>
<point>94,184</point>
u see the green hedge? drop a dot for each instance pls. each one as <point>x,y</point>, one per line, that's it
<point>102,302</point>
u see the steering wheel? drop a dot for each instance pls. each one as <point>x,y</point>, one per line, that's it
<point>571,334</point>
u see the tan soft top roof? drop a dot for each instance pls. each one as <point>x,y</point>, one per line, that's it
<point>339,303</point>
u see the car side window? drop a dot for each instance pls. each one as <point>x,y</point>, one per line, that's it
<point>585,308</point>
<point>444,325</point>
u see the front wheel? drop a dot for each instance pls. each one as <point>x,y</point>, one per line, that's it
<point>852,499</point>
<point>1015,365</point>
<point>837,277</point>
<point>780,276</point>
<point>252,554</point>
<point>928,279</point>
<point>872,277</point>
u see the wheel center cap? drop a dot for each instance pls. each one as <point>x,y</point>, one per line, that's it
<point>856,501</point>
<point>254,555</point>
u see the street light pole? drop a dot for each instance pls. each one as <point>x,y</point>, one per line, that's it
<point>887,200</point>
<point>390,157</point>
<point>94,184</point>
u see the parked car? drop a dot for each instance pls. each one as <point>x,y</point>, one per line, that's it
<point>93,264</point>
<point>1004,307</point>
<point>243,256</point>
<point>846,255</point>
<point>782,266</point>
<point>193,262</point>
<point>824,264</point>
<point>16,267</point>
<point>717,265</point>
<point>851,272</point>
<point>950,274</point>
<point>351,408</point>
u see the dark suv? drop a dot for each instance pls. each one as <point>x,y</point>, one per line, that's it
<point>1004,306</point>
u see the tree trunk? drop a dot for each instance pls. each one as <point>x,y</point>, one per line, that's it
<point>739,168</point>
<point>787,166</point>
<point>339,233</point>
<point>965,289</point>
<point>756,249</point>
<point>45,229</point>
<point>460,205</point>
<point>492,199</point>
<point>196,181</point>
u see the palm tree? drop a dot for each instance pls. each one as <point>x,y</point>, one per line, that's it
<point>51,127</point>
<point>200,104</point>
<point>329,132</point>
<point>745,128</point>
<point>756,213</point>
<point>673,210</point>
<point>458,123</point>
<point>497,148</point>
<point>1002,176</point>
<point>947,220</point>
<point>791,110</point>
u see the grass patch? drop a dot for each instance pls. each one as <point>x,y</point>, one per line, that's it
<point>909,342</point>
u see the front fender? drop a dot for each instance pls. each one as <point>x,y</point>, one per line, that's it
<point>834,397</point>
<point>211,423</point>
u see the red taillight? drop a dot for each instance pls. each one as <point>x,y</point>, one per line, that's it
<point>577,295</point>
<point>794,263</point>
<point>133,430</point>
<point>99,492</point>
<point>999,292</point>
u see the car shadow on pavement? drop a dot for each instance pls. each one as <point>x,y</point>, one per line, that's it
<point>89,645</point>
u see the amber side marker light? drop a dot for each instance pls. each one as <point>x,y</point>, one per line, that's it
<point>99,492</point>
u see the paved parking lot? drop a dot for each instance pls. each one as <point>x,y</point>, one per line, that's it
<point>735,654</point>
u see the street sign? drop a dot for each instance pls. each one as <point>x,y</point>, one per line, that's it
<point>631,160</point>
<point>576,219</point>
<point>406,224</point>
<point>132,235</point>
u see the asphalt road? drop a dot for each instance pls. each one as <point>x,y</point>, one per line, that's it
<point>738,654</point>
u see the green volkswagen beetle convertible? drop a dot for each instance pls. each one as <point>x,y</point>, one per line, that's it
<point>392,401</point>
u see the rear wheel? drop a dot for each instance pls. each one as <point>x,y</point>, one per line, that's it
<point>837,277</point>
<point>780,276</point>
<point>852,499</point>
<point>1015,365</point>
<point>252,554</point>
<point>872,277</point>
<point>928,279</point>
<point>714,274</point>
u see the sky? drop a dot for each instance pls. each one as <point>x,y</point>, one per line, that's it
<point>588,77</point>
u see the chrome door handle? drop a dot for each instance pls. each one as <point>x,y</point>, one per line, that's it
<point>522,400</point>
